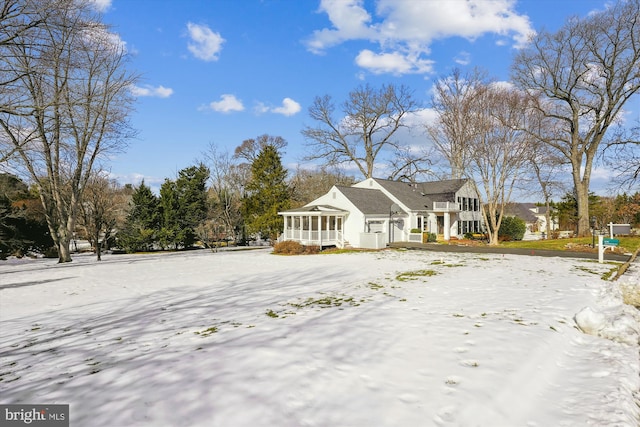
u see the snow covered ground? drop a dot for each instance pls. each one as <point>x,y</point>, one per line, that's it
<point>391,338</point>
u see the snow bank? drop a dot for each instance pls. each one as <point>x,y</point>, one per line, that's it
<point>612,318</point>
<point>620,323</point>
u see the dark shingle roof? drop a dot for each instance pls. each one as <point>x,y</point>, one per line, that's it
<point>418,196</point>
<point>368,201</point>
<point>522,211</point>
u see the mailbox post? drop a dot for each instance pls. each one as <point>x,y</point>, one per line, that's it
<point>603,244</point>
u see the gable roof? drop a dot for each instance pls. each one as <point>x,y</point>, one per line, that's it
<point>315,208</point>
<point>368,201</point>
<point>522,211</point>
<point>418,196</point>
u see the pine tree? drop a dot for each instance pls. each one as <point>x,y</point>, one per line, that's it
<point>170,220</point>
<point>142,224</point>
<point>184,206</point>
<point>267,194</point>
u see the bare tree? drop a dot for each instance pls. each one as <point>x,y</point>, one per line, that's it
<point>227,181</point>
<point>453,100</point>
<point>490,148</point>
<point>622,154</point>
<point>499,150</point>
<point>70,101</point>
<point>585,74</point>
<point>101,207</point>
<point>412,164</point>
<point>545,166</point>
<point>19,21</point>
<point>307,185</point>
<point>250,148</point>
<point>367,123</point>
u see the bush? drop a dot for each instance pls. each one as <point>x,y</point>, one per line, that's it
<point>429,237</point>
<point>51,252</point>
<point>291,247</point>
<point>511,228</point>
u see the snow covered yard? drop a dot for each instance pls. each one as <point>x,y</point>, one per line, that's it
<point>392,338</point>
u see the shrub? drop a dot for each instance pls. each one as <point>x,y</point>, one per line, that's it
<point>291,247</point>
<point>416,230</point>
<point>429,237</point>
<point>511,228</point>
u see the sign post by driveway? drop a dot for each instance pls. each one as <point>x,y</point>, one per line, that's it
<point>604,244</point>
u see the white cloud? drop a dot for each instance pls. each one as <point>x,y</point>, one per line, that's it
<point>227,104</point>
<point>393,63</point>
<point>289,108</point>
<point>463,58</point>
<point>421,117</point>
<point>101,5</point>
<point>205,44</point>
<point>350,20</point>
<point>405,29</point>
<point>148,90</point>
<point>261,108</point>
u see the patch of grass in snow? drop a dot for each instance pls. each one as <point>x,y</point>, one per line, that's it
<point>326,302</point>
<point>607,274</point>
<point>375,286</point>
<point>414,275</point>
<point>444,264</point>
<point>272,314</point>
<point>209,331</point>
<point>587,270</point>
<point>603,275</point>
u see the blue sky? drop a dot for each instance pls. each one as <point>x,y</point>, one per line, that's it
<point>222,71</point>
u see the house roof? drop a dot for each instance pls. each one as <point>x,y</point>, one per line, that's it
<point>368,201</point>
<point>371,201</point>
<point>522,211</point>
<point>316,208</point>
<point>418,196</point>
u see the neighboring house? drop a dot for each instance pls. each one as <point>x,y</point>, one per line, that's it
<point>376,212</point>
<point>533,216</point>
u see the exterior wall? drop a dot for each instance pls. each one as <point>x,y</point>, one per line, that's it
<point>400,231</point>
<point>467,213</point>
<point>354,223</point>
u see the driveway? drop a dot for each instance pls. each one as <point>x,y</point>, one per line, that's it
<point>439,247</point>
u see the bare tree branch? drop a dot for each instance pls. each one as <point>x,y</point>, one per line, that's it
<point>367,125</point>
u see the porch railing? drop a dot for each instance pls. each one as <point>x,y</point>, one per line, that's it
<point>446,206</point>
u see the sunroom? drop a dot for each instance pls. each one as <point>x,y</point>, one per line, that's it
<point>317,225</point>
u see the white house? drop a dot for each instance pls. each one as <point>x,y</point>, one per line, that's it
<point>376,212</point>
<point>534,218</point>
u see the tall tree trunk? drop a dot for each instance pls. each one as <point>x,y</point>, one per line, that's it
<point>582,201</point>
<point>64,243</point>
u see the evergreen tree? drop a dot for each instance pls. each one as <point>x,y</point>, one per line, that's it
<point>170,227</point>
<point>184,206</point>
<point>267,194</point>
<point>23,226</point>
<point>142,224</point>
